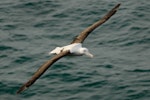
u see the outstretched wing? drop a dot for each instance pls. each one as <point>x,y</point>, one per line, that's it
<point>81,37</point>
<point>78,39</point>
<point>41,70</point>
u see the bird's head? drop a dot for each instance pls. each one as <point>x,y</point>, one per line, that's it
<point>85,51</point>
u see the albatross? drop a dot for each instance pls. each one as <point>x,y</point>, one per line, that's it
<point>74,48</point>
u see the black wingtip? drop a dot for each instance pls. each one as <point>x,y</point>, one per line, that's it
<point>117,6</point>
<point>21,89</point>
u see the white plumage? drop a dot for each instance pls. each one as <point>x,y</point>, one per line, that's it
<point>75,49</point>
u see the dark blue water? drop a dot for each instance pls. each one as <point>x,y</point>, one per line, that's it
<point>120,69</point>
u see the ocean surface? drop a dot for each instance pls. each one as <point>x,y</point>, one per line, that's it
<point>120,69</point>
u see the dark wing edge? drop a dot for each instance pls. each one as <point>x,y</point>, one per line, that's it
<point>81,37</point>
<point>41,71</point>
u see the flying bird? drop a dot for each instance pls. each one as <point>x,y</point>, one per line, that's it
<point>74,48</point>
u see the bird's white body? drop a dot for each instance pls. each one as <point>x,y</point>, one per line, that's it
<point>75,49</point>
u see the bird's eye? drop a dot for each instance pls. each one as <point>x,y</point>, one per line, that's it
<point>85,50</point>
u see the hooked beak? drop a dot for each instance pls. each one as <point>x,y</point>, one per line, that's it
<point>89,54</point>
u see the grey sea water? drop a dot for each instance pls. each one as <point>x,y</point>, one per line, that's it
<point>120,69</point>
